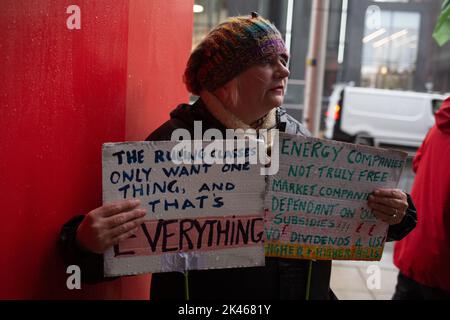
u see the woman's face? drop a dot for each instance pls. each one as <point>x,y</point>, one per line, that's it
<point>259,89</point>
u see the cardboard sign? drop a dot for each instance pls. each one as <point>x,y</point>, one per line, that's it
<point>200,216</point>
<point>318,200</point>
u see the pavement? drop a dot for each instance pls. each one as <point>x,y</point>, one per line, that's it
<point>349,279</point>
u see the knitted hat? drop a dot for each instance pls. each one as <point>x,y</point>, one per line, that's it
<point>229,49</point>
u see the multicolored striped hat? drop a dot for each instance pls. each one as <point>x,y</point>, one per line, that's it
<point>229,49</point>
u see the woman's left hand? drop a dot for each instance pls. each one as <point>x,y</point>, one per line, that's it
<point>389,205</point>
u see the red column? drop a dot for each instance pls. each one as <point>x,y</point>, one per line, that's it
<point>63,93</point>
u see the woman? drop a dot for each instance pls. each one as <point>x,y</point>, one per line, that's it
<point>239,71</point>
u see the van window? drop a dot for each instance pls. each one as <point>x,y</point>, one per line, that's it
<point>436,105</point>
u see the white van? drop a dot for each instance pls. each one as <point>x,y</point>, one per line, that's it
<point>380,117</point>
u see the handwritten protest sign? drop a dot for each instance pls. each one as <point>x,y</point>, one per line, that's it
<point>318,200</point>
<point>200,216</point>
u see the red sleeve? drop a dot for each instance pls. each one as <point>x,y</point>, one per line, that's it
<point>420,152</point>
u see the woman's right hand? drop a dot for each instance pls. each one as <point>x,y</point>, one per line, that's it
<point>109,224</point>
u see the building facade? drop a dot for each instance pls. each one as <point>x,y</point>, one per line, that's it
<point>381,44</point>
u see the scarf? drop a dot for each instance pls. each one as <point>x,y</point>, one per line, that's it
<point>231,121</point>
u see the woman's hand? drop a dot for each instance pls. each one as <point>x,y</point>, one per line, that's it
<point>109,224</point>
<point>389,205</point>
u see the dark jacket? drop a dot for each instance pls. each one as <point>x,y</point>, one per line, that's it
<point>279,278</point>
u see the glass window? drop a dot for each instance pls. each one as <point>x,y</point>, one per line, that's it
<point>207,14</point>
<point>436,105</point>
<point>389,49</point>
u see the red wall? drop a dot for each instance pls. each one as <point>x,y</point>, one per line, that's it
<point>62,94</point>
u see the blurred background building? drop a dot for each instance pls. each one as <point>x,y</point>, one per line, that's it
<point>379,44</point>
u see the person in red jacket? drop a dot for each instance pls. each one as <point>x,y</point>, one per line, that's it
<point>423,256</point>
